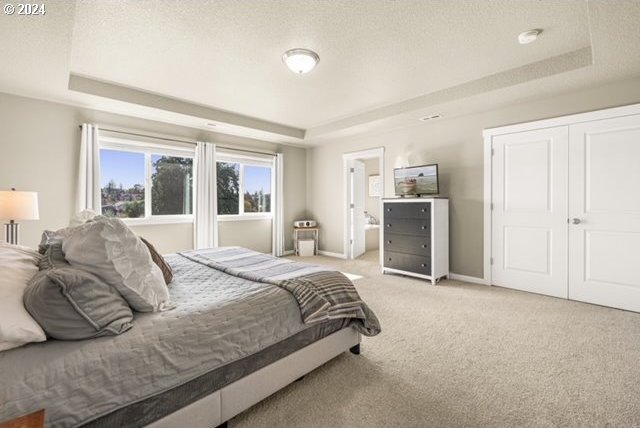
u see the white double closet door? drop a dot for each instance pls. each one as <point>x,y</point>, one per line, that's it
<point>566,211</point>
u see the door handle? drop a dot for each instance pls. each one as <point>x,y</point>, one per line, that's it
<point>576,220</point>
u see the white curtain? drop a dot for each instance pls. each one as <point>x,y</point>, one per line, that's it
<point>205,229</point>
<point>278,213</point>
<point>88,197</point>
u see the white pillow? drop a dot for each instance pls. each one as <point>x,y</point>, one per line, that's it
<point>17,266</point>
<point>107,248</point>
<point>82,217</point>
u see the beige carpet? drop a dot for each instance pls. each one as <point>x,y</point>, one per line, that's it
<point>468,355</point>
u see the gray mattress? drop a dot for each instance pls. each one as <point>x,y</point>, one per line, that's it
<point>223,328</point>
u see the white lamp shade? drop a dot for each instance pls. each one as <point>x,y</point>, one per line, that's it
<point>15,205</point>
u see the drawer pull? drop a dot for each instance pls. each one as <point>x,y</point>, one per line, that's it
<point>388,210</point>
<point>388,224</point>
<point>424,210</point>
<point>389,259</point>
<point>423,227</point>
<point>389,241</point>
<point>423,245</point>
<point>423,265</point>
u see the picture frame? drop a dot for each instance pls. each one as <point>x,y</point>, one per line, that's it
<point>374,186</point>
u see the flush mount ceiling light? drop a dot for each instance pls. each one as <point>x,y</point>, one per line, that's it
<point>300,61</point>
<point>529,36</point>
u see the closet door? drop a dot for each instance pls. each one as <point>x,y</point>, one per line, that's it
<point>529,216</point>
<point>604,210</point>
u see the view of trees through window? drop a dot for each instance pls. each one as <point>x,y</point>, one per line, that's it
<point>123,175</point>
<point>171,185</point>
<point>228,177</point>
<point>257,189</point>
<point>255,195</point>
<point>122,182</point>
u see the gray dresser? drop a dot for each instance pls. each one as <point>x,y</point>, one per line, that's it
<point>416,237</point>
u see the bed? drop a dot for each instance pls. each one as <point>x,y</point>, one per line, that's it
<point>230,342</point>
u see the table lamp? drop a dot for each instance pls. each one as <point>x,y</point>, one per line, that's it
<point>15,205</point>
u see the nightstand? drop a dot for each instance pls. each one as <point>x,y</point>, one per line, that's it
<point>305,233</point>
<point>32,420</point>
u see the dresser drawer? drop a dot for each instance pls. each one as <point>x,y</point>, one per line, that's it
<point>407,226</point>
<point>407,262</point>
<point>420,210</point>
<point>418,245</point>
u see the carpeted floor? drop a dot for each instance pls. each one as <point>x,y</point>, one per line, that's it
<point>468,355</point>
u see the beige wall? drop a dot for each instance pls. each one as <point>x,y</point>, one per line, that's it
<point>457,146</point>
<point>39,144</point>
<point>167,238</point>
<point>232,233</point>
<point>371,204</point>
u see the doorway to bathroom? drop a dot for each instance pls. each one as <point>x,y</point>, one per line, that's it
<point>364,190</point>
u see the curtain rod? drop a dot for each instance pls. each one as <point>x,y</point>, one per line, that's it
<point>193,142</point>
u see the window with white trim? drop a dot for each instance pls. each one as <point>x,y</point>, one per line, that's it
<point>143,182</point>
<point>244,187</point>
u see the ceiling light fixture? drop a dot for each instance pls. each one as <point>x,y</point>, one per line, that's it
<point>528,36</point>
<point>300,61</point>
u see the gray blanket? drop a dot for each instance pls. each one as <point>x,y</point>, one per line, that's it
<point>322,294</point>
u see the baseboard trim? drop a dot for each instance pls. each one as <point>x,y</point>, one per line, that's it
<point>330,254</point>
<point>466,278</point>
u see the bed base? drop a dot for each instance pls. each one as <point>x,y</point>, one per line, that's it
<point>220,406</point>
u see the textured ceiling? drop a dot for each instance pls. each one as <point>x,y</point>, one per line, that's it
<point>382,61</point>
<point>227,54</point>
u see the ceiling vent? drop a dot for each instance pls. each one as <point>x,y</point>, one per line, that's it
<point>430,117</point>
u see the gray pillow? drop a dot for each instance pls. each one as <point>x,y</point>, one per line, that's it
<point>51,236</point>
<point>71,304</point>
<point>53,255</point>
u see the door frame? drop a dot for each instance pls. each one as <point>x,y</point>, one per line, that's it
<point>488,135</point>
<point>377,152</point>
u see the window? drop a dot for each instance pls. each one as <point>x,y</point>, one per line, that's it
<point>244,187</point>
<point>145,182</point>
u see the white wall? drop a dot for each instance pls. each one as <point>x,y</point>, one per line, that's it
<point>39,143</point>
<point>371,204</point>
<point>457,146</point>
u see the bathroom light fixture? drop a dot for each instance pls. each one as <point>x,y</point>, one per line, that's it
<point>300,61</point>
<point>529,36</point>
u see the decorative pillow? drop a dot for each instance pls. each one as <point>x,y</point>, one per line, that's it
<point>50,236</point>
<point>71,304</point>
<point>53,256</point>
<point>17,266</point>
<point>157,258</point>
<point>107,248</point>
<point>82,217</point>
